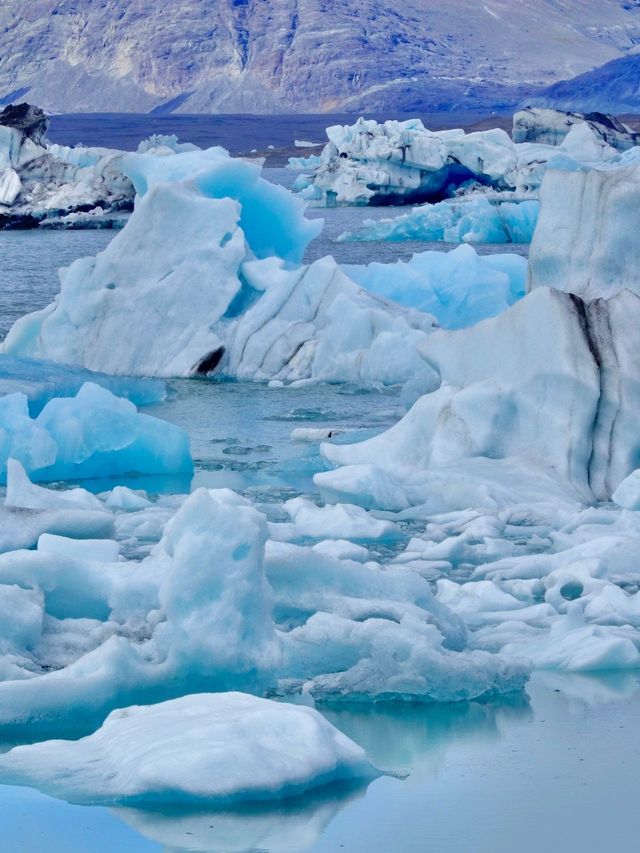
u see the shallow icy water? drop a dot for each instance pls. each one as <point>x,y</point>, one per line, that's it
<point>495,777</point>
<point>555,773</point>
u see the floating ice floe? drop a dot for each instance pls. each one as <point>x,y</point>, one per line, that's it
<point>404,163</point>
<point>93,434</point>
<point>551,127</point>
<point>220,749</point>
<point>470,219</point>
<point>42,184</point>
<point>46,185</point>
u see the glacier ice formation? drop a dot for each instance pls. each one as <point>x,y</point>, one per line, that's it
<point>209,260</point>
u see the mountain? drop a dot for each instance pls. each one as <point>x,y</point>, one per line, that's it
<point>301,55</point>
<point>614,87</point>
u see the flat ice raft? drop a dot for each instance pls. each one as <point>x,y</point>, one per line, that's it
<point>219,748</point>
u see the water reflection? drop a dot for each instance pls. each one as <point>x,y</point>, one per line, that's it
<point>569,744</point>
<point>413,739</point>
<point>292,826</point>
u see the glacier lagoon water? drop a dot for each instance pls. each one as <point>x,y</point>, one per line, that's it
<point>555,770</point>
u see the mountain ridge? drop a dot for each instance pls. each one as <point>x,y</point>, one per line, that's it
<point>264,56</point>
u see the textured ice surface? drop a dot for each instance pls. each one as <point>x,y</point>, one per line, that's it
<point>202,263</point>
<point>216,607</point>
<point>403,162</point>
<point>219,749</point>
<point>472,219</point>
<point>585,242</point>
<point>459,288</point>
<point>93,434</point>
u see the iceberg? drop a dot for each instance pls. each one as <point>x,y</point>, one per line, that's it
<point>551,127</point>
<point>218,749</point>
<point>404,163</point>
<point>207,262</point>
<point>43,184</point>
<point>93,434</point>
<point>459,288</point>
<point>553,382</point>
<point>471,219</point>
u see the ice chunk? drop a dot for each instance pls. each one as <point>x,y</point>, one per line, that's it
<point>472,219</point>
<point>93,434</point>
<point>21,528</point>
<point>215,748</point>
<point>126,500</point>
<point>341,521</point>
<point>627,494</point>
<point>101,550</point>
<point>21,492</point>
<point>458,288</point>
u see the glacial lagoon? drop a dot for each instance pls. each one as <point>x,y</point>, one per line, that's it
<point>551,769</point>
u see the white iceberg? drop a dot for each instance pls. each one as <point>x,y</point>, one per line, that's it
<point>404,163</point>
<point>205,266</point>
<point>218,749</point>
<point>52,185</point>
<point>552,382</point>
<point>551,127</point>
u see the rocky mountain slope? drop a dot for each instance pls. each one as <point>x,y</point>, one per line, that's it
<point>301,55</point>
<point>614,86</point>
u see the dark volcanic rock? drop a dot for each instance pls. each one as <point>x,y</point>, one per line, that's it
<point>32,121</point>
